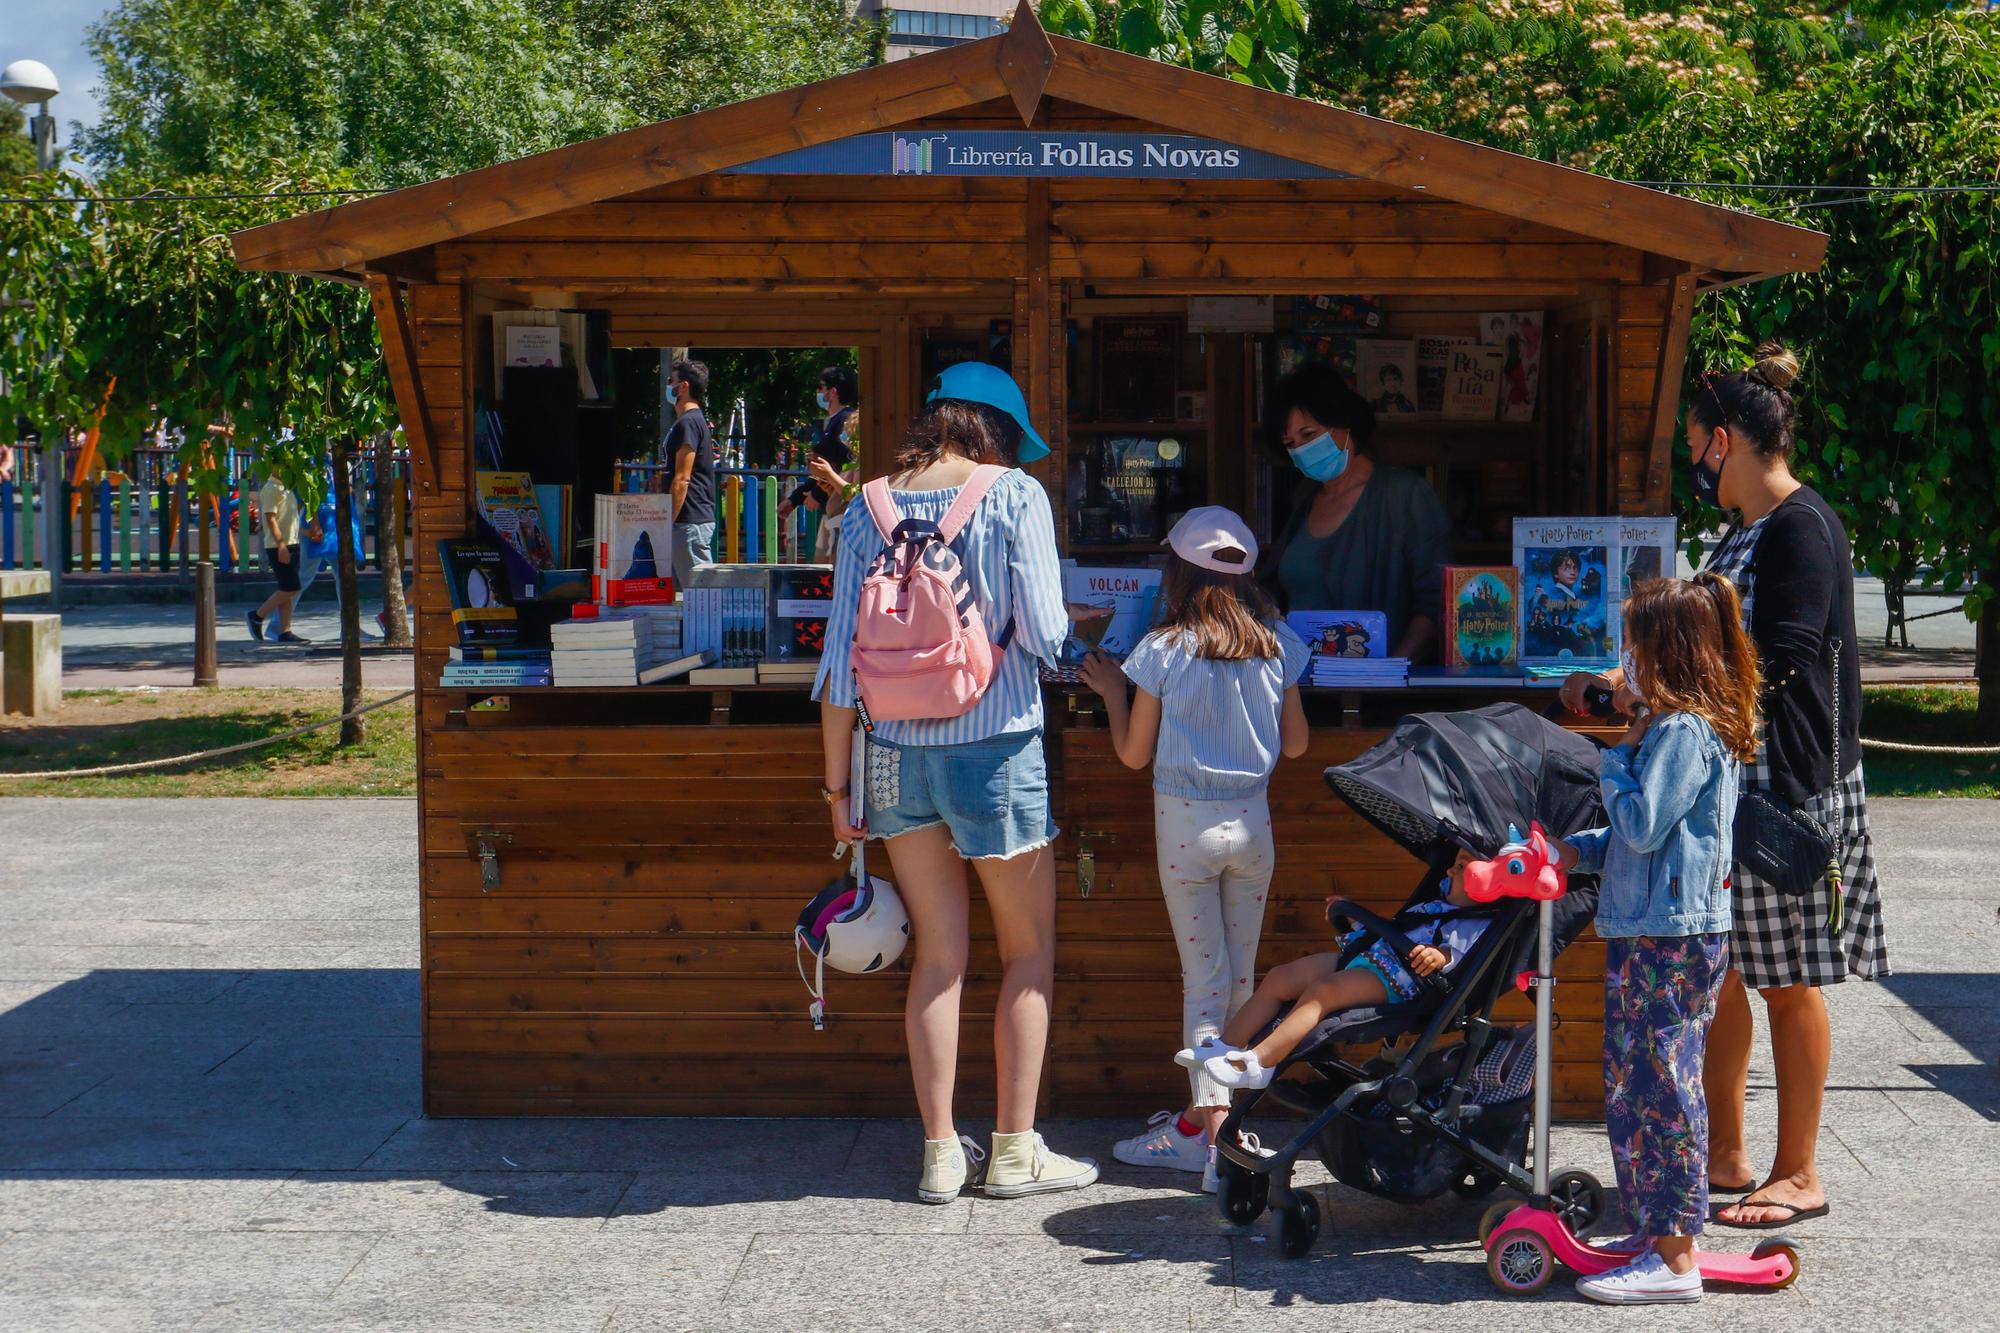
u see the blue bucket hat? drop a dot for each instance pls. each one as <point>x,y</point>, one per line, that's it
<point>978,382</point>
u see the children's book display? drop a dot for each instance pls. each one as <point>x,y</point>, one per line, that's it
<point>632,555</point>
<point>1482,620</point>
<point>1569,618</point>
<point>1110,610</point>
<point>1350,650</point>
<point>1647,547</point>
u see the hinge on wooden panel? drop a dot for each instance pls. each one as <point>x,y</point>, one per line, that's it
<point>488,842</point>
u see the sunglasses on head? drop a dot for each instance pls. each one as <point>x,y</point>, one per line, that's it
<point>1708,379</point>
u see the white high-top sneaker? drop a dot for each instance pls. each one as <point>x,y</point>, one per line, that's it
<point>945,1167</point>
<point>1022,1164</point>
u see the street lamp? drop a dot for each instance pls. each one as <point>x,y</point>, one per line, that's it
<point>31,81</point>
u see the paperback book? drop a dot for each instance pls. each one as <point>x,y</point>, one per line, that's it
<point>1482,620</point>
<point>1385,372</point>
<point>510,506</point>
<point>482,608</point>
<point>1434,352</point>
<point>1110,609</point>
<point>1567,612</point>
<point>800,599</point>
<point>1472,383</point>
<point>1519,338</point>
<point>1349,635</point>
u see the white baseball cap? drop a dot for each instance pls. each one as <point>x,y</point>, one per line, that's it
<point>1210,536</point>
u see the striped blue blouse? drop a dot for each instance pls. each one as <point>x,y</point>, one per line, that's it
<point>1218,720</point>
<point>1009,552</point>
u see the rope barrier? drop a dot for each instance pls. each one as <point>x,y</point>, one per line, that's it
<point>108,769</point>
<point>1905,747</point>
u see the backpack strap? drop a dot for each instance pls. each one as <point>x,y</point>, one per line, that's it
<point>881,508</point>
<point>969,496</point>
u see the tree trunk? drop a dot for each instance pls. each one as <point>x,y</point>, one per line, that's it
<point>389,541</point>
<point>352,731</point>
<point>1986,637</point>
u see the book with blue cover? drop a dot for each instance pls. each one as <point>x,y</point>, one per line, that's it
<point>1568,613</point>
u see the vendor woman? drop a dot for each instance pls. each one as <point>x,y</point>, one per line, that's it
<point>1366,536</point>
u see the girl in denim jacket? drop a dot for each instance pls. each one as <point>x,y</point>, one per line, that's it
<point>1664,913</point>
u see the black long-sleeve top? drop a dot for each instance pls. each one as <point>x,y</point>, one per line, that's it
<point>1803,604</point>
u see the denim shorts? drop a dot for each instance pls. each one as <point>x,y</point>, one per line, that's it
<point>992,794</point>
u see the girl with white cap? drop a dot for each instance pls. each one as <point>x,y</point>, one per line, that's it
<point>1217,702</point>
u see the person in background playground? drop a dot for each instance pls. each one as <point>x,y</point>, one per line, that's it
<point>278,523</point>
<point>838,392</point>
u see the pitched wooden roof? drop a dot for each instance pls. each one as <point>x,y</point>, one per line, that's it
<point>1024,64</point>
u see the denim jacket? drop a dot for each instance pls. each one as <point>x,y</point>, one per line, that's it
<point>1666,857</point>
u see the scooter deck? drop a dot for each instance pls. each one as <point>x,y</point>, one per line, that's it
<point>1771,1266</point>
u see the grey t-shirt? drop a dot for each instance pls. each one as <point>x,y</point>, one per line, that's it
<point>1388,556</point>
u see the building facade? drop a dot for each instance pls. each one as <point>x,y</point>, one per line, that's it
<point>926,25</point>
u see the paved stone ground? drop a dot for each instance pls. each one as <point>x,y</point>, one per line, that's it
<point>209,1120</point>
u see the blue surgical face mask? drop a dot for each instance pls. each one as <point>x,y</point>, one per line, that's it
<point>1320,458</point>
<point>820,398</point>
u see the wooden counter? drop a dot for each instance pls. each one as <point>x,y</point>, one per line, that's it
<point>648,878</point>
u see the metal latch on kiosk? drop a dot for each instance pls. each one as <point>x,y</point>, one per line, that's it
<point>487,843</point>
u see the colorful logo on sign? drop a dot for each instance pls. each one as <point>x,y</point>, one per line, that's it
<point>911,157</point>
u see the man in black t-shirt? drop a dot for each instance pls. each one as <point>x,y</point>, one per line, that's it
<point>690,448</point>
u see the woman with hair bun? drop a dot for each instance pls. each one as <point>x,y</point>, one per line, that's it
<point>1788,554</point>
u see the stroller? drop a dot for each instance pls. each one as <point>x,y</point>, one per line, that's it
<point>1444,1114</point>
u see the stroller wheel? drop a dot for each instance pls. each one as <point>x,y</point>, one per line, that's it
<point>1493,1217</point>
<point>1298,1227</point>
<point>1520,1262</point>
<point>1578,1200</point>
<point>1242,1195</point>
<point>1475,1182</point>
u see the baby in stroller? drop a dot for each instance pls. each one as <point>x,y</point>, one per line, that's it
<point>1323,984</point>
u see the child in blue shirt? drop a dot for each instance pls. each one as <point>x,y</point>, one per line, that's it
<point>1664,913</point>
<point>1217,703</point>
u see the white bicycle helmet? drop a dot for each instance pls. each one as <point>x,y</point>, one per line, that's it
<point>853,925</point>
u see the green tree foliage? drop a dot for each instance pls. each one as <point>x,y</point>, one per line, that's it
<point>1901,327</point>
<point>405,92</point>
<point>17,153</point>
<point>138,311</point>
<point>1252,41</point>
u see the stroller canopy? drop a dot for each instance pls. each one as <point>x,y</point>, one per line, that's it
<point>1441,781</point>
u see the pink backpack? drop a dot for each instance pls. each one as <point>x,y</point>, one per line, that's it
<point>921,649</point>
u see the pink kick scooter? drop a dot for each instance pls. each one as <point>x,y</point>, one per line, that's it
<point>1525,1242</point>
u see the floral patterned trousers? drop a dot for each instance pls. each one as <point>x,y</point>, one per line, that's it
<point>1659,998</point>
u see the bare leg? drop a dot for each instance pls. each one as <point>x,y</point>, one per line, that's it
<point>1725,1073</point>
<point>1801,1048</point>
<point>931,879</point>
<point>1280,986</point>
<point>1021,892</point>
<point>1329,995</point>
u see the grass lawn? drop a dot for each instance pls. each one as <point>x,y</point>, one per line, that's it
<point>96,727</point>
<point>1925,715</point>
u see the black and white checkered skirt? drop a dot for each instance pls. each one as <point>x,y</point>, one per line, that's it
<point>1782,940</point>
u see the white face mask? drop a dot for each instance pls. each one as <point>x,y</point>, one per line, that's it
<point>1631,670</point>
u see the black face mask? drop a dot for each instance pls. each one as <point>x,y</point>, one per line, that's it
<point>1708,478</point>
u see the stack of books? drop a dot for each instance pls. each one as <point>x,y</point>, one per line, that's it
<point>618,646</point>
<point>787,673</point>
<point>504,665</point>
<point>1359,673</point>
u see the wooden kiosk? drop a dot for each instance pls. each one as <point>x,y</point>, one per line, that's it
<point>610,877</point>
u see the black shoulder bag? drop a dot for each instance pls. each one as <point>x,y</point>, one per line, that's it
<point>1786,847</point>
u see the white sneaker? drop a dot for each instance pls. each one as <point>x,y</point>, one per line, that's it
<point>1645,1281</point>
<point>1022,1164</point>
<point>1195,1056</point>
<point>1238,1069</point>
<point>1163,1144</point>
<point>945,1167</point>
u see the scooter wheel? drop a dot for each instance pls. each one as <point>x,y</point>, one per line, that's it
<point>1493,1217</point>
<point>1578,1200</point>
<point>1520,1262</point>
<point>1475,1182</point>
<point>1298,1227</point>
<point>1242,1195</point>
<point>1771,1249</point>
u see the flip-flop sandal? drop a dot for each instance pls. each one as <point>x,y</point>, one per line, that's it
<point>1794,1213</point>
<point>1715,1189</point>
